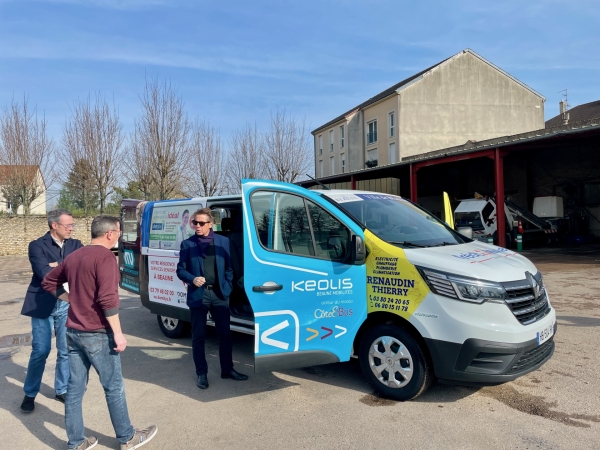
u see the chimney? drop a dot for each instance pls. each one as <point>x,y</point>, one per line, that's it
<point>563,112</point>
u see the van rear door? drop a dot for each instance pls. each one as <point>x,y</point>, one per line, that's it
<point>130,245</point>
<point>307,294</point>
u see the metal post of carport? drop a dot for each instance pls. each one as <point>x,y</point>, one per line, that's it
<point>413,182</point>
<point>499,187</point>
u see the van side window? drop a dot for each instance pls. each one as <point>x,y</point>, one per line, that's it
<point>486,212</point>
<point>129,225</point>
<point>331,236</point>
<point>282,223</point>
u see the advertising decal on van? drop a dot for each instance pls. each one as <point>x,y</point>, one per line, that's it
<point>170,226</point>
<point>393,284</point>
<point>163,284</point>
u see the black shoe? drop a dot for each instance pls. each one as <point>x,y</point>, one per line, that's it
<point>202,382</point>
<point>28,404</point>
<point>234,375</point>
<point>60,397</point>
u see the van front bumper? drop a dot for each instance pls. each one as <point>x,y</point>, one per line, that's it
<point>481,362</point>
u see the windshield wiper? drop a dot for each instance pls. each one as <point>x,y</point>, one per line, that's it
<point>444,243</point>
<point>407,244</point>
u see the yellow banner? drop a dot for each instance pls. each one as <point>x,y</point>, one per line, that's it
<point>393,284</point>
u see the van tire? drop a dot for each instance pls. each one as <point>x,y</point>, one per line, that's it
<point>173,328</point>
<point>407,384</point>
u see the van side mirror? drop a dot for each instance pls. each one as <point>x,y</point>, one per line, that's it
<point>359,252</point>
<point>466,232</point>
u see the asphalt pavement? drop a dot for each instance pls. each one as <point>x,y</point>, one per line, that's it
<point>331,406</point>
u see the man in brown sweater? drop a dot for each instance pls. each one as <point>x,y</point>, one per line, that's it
<point>94,335</point>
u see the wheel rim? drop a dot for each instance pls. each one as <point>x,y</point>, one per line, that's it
<point>169,323</point>
<point>391,362</point>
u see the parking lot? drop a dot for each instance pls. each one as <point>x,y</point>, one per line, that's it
<point>556,407</point>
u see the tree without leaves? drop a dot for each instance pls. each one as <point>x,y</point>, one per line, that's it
<point>246,159</point>
<point>288,153</point>
<point>25,148</point>
<point>93,139</point>
<point>159,154</point>
<point>208,161</point>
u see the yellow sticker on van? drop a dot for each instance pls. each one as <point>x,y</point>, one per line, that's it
<point>393,283</point>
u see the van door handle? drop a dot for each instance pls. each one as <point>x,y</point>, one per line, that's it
<point>268,288</point>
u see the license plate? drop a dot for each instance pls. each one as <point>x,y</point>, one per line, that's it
<point>545,334</point>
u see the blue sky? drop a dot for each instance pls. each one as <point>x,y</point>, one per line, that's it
<point>235,62</point>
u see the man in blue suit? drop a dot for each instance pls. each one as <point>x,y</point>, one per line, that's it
<point>46,310</point>
<point>205,266</point>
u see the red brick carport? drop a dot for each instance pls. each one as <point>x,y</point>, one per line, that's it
<point>495,149</point>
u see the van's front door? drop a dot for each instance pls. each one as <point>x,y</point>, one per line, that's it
<point>307,293</point>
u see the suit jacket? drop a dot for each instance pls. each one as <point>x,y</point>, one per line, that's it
<point>191,265</point>
<point>39,303</point>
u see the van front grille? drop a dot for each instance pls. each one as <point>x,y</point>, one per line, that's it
<point>523,303</point>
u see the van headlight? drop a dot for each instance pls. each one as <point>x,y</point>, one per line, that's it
<point>462,288</point>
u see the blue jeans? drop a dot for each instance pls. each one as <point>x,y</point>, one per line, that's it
<point>97,350</point>
<point>41,331</point>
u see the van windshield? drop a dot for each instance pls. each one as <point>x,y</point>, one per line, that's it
<point>396,220</point>
<point>469,219</point>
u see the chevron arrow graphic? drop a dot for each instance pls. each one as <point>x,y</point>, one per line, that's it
<point>274,329</point>
<point>314,335</point>
<point>328,334</point>
<point>342,333</point>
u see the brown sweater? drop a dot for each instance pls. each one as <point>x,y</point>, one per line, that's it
<point>93,276</point>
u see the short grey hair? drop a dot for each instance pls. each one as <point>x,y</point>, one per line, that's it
<point>103,224</point>
<point>54,215</point>
<point>206,212</point>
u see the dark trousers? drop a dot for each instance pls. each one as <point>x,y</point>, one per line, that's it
<point>219,310</point>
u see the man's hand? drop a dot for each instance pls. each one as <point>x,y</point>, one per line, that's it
<point>64,297</point>
<point>115,326</point>
<point>120,341</point>
<point>53,264</point>
<point>199,281</point>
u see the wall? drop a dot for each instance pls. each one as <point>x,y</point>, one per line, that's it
<point>38,206</point>
<point>380,112</point>
<point>384,185</point>
<point>327,153</point>
<point>356,142</point>
<point>464,99</point>
<point>16,232</point>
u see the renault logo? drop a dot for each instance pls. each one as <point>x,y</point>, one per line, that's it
<point>535,286</point>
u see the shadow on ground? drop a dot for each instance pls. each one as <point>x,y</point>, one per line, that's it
<point>12,377</point>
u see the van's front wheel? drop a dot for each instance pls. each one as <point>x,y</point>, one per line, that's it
<point>173,328</point>
<point>394,363</point>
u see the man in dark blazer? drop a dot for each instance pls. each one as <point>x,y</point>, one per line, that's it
<point>205,266</point>
<point>46,310</point>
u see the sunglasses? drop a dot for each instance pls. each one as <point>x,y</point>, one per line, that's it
<point>196,222</point>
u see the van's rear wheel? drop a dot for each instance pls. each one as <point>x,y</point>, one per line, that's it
<point>173,328</point>
<point>394,363</point>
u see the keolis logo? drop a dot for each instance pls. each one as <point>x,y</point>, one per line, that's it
<point>322,285</point>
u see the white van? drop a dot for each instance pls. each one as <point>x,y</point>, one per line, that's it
<point>322,276</point>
